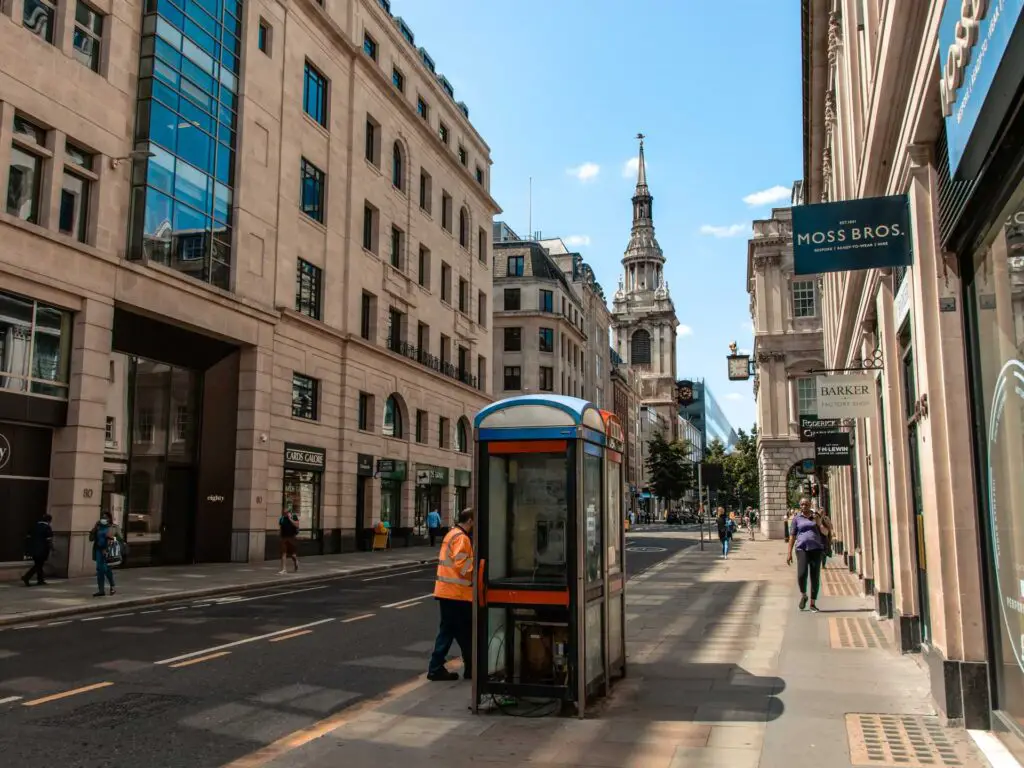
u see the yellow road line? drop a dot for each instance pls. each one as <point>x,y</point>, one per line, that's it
<point>199,660</point>
<point>293,634</point>
<point>293,741</point>
<point>358,618</point>
<point>65,694</point>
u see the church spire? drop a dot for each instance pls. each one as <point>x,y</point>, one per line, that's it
<point>641,171</point>
<point>642,200</point>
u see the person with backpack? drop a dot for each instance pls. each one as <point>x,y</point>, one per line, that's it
<point>289,525</point>
<point>726,528</point>
<point>38,546</point>
<point>107,551</point>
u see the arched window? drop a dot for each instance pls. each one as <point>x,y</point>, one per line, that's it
<point>392,417</point>
<point>462,436</point>
<point>463,228</point>
<point>397,166</point>
<point>640,353</point>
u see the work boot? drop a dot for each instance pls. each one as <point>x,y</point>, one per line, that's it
<point>442,676</point>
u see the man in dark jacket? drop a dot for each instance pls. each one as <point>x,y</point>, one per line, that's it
<point>39,546</point>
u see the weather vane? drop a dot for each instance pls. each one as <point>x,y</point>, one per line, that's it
<point>641,137</point>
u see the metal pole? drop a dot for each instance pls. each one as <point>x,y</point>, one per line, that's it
<point>700,503</point>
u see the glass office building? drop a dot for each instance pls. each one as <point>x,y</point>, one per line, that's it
<point>186,119</point>
<point>706,414</point>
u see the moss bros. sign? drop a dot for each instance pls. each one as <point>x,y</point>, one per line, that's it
<point>854,234</point>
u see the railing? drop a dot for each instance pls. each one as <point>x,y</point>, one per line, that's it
<point>434,363</point>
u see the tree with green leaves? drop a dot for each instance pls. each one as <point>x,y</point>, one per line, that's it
<point>669,468</point>
<point>741,482</point>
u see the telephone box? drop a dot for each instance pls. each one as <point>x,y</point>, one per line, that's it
<point>549,542</point>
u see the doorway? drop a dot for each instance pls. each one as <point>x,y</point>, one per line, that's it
<point>362,541</point>
<point>917,501</point>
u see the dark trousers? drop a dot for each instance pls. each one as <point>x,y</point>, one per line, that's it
<point>809,560</point>
<point>434,533</point>
<point>456,625</point>
<point>104,573</point>
<point>38,561</point>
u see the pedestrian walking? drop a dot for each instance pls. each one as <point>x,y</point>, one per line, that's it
<point>453,590</point>
<point>288,524</point>
<point>809,536</point>
<point>726,529</point>
<point>38,546</point>
<point>107,551</point>
<point>751,521</point>
<point>433,525</point>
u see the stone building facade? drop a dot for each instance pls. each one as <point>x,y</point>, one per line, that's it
<point>257,272</point>
<point>930,512</point>
<point>644,321</point>
<point>785,311</point>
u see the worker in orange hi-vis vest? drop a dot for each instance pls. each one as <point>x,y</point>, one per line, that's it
<point>453,589</point>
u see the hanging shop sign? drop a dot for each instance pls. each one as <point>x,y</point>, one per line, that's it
<point>853,234</point>
<point>304,457</point>
<point>832,449</point>
<point>5,451</point>
<point>364,465</point>
<point>391,469</point>
<point>812,425</point>
<point>428,475</point>
<point>977,80</point>
<point>850,396</point>
<point>463,478</point>
<point>1005,411</point>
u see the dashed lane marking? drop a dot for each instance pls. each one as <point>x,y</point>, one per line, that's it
<point>10,699</point>
<point>410,600</point>
<point>256,638</point>
<point>358,618</point>
<point>65,694</point>
<point>292,635</point>
<point>199,660</point>
<point>59,623</point>
<point>392,575</point>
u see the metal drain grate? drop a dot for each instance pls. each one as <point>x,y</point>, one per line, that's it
<point>856,633</point>
<point>907,740</point>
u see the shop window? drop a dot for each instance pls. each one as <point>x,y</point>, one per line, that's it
<point>35,347</point>
<point>512,299</point>
<point>305,397</point>
<point>462,435</point>
<point>393,426</point>
<point>443,432</point>
<point>513,339</point>
<point>803,299</point>
<point>307,289</point>
<point>87,36</point>
<point>806,396</point>
<point>391,502</point>
<point>461,499</point>
<point>302,497</point>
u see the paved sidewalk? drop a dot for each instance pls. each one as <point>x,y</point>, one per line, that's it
<point>724,672</point>
<point>140,586</point>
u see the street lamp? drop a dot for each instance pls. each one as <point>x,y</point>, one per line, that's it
<point>135,154</point>
<point>741,367</point>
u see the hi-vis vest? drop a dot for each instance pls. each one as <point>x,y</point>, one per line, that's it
<point>455,567</point>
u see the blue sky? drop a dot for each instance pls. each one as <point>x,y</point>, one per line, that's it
<point>560,88</point>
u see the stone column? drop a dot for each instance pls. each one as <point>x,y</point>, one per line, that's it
<point>878,499</point>
<point>252,456</point>
<point>866,566</point>
<point>76,471</point>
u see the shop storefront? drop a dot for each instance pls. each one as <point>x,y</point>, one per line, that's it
<point>981,179</point>
<point>363,533</point>
<point>431,485</point>
<point>24,483</point>
<point>303,494</point>
<point>463,483</point>
<point>392,478</point>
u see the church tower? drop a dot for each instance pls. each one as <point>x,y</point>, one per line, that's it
<point>643,316</point>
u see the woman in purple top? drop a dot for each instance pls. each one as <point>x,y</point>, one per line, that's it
<point>809,536</point>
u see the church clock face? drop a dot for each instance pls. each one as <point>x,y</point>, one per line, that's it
<point>739,368</point>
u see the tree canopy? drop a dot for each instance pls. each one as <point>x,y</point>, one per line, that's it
<point>741,484</point>
<point>669,467</point>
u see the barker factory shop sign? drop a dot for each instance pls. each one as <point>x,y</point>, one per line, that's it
<point>846,397</point>
<point>853,234</point>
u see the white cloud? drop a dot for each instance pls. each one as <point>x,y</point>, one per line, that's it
<point>684,330</point>
<point>630,168</point>
<point>728,231</point>
<point>734,396</point>
<point>586,172</point>
<point>576,240</point>
<point>775,194</point>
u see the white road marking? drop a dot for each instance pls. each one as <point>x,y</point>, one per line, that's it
<point>358,618</point>
<point>410,600</point>
<point>120,615</point>
<point>391,575</point>
<point>59,623</point>
<point>278,594</point>
<point>93,618</point>
<point>146,613</point>
<point>179,608</point>
<point>10,699</point>
<point>26,626</point>
<point>247,640</point>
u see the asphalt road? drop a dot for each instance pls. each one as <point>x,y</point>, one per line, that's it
<point>198,684</point>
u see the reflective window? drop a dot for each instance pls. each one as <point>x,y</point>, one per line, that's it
<point>398,79</point>
<point>397,166</point>
<point>23,185</point>
<point>803,298</point>
<point>547,379</point>
<point>547,301</point>
<point>305,400</point>
<point>422,109</point>
<point>547,339</point>
<point>462,436</point>
<point>38,16</point>
<point>515,266</point>
<point>74,206</point>
<point>593,516</point>
<point>392,418</point>
<point>263,37</point>
<point>370,47</point>
<point>513,377</point>
<point>307,289</point>
<point>35,347</point>
<point>442,130</point>
<point>302,498</point>
<point>312,179</point>
<point>806,397</point>
<point>314,95</point>
<point>88,35</point>
<point>463,157</point>
<point>182,198</point>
